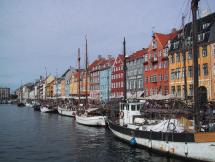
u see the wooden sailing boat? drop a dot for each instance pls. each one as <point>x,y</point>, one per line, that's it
<point>191,145</point>
<point>91,116</point>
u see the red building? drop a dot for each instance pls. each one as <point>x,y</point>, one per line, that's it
<point>117,77</point>
<point>156,77</point>
<point>94,70</point>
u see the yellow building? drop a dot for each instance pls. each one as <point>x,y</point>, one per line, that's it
<point>212,50</point>
<point>74,83</point>
<point>49,84</point>
<point>205,59</point>
<point>63,87</point>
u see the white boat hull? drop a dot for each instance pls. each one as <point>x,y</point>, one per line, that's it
<point>91,121</point>
<point>46,110</point>
<point>66,112</point>
<point>204,151</point>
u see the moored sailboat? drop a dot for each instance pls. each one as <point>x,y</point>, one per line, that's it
<point>189,143</point>
<point>88,116</point>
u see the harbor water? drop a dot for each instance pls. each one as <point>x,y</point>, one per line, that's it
<point>26,135</point>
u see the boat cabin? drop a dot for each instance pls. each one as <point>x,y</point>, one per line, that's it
<point>128,111</point>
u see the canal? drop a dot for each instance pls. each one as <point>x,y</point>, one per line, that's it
<point>26,135</point>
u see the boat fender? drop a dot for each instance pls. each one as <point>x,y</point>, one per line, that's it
<point>133,141</point>
<point>121,114</point>
<point>186,149</point>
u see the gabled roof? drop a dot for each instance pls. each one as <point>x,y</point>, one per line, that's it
<point>95,63</point>
<point>120,57</point>
<point>137,54</point>
<point>164,38</point>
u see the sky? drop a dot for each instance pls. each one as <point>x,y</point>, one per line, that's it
<point>35,34</point>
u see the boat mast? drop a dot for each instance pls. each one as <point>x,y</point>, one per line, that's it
<point>45,81</point>
<point>194,7</point>
<point>124,69</point>
<point>86,79</point>
<point>79,86</point>
<point>184,60</point>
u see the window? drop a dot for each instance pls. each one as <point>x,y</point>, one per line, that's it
<point>133,107</point>
<point>183,71</point>
<point>153,78</point>
<point>190,71</point>
<point>177,57</point>
<point>146,57</point>
<point>190,56</point>
<point>204,26</point>
<point>204,51</point>
<point>138,107</point>
<point>146,68</point>
<point>178,90</point>
<point>146,79</point>
<point>173,89</point>
<point>166,77</point>
<point>177,73</point>
<point>161,77</point>
<point>140,83</point>
<point>172,59</point>
<point>201,37</point>
<point>205,69</point>
<point>154,44</point>
<point>172,74</point>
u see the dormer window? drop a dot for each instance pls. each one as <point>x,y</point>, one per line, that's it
<point>205,26</point>
<point>154,44</point>
<point>176,44</point>
<point>201,37</point>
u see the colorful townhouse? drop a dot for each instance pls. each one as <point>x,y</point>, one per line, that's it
<point>206,58</point>
<point>156,73</point>
<point>212,54</point>
<point>74,86</point>
<point>49,84</point>
<point>67,82</point>
<point>105,79</point>
<point>57,87</point>
<point>117,77</point>
<point>94,72</point>
<point>134,74</point>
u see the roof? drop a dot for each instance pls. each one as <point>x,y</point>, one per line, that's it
<point>208,31</point>
<point>164,38</point>
<point>137,54</point>
<point>101,61</point>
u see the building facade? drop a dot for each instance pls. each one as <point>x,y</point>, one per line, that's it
<point>156,74</point>
<point>206,37</point>
<point>4,93</point>
<point>117,77</point>
<point>94,71</point>
<point>105,80</point>
<point>135,74</point>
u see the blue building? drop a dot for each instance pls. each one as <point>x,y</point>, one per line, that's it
<point>105,78</point>
<point>105,84</point>
<point>67,77</point>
